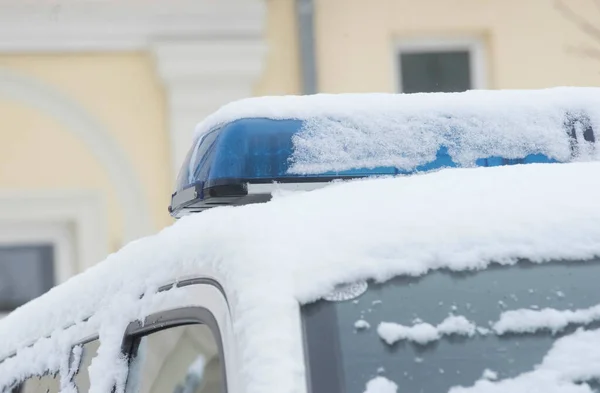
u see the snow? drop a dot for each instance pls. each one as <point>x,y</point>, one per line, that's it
<point>421,333</point>
<point>489,374</point>
<point>347,131</point>
<point>424,333</point>
<point>381,384</point>
<point>456,325</point>
<point>530,321</point>
<point>483,331</point>
<point>564,369</point>
<point>361,324</point>
<point>302,245</point>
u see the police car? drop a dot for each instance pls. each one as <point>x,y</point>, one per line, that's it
<point>348,243</point>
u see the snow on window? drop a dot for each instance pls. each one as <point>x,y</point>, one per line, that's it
<point>361,324</point>
<point>489,374</point>
<point>566,368</point>
<point>530,321</point>
<point>483,330</point>
<point>381,384</point>
<point>456,325</point>
<point>423,333</point>
<point>29,363</point>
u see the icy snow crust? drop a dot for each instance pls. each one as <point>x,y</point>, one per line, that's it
<point>298,246</point>
<point>381,385</point>
<point>530,321</point>
<point>571,360</point>
<point>423,333</point>
<point>349,131</point>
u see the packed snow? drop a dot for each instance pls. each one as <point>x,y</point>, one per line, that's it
<point>456,325</point>
<point>361,324</point>
<point>531,321</point>
<point>489,375</point>
<point>298,247</point>
<point>424,333</point>
<point>349,131</point>
<point>483,330</point>
<point>421,333</point>
<point>565,369</point>
<point>381,384</point>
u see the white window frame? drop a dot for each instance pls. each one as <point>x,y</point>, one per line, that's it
<point>474,45</point>
<point>73,222</point>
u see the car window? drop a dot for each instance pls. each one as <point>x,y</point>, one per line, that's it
<point>83,354</point>
<point>39,384</point>
<point>180,359</point>
<point>432,333</point>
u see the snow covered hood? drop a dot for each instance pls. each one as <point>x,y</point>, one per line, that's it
<point>345,131</point>
<point>303,244</point>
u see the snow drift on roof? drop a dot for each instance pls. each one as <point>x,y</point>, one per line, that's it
<point>298,246</point>
<point>348,131</point>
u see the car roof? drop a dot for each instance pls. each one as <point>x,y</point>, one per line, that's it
<point>302,244</point>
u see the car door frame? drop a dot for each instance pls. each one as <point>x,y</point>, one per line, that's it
<point>190,300</point>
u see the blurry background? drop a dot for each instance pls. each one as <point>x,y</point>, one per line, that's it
<point>99,98</point>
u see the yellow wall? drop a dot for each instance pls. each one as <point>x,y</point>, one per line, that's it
<point>526,40</point>
<point>281,75</point>
<point>38,153</point>
<point>526,44</point>
<point>123,93</point>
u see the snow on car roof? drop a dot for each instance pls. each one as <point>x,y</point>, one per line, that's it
<point>346,131</point>
<point>299,245</point>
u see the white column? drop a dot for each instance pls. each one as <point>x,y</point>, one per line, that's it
<point>202,75</point>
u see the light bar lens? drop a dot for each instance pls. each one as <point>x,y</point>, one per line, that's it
<point>259,151</point>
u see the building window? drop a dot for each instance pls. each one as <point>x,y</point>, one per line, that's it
<point>34,257</point>
<point>440,66</point>
<point>26,272</point>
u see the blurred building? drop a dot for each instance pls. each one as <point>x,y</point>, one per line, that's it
<point>99,98</point>
<point>447,45</point>
<point>98,101</point>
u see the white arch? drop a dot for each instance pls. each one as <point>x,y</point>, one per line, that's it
<point>36,94</point>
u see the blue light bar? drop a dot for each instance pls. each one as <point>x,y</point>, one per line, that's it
<point>221,165</point>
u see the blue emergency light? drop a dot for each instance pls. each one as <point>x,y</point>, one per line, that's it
<point>238,162</point>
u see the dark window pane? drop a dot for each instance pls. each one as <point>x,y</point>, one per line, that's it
<point>435,72</point>
<point>26,272</point>
<point>450,360</point>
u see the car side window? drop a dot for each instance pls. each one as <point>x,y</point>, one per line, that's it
<point>178,359</point>
<point>49,383</point>
<point>82,357</point>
